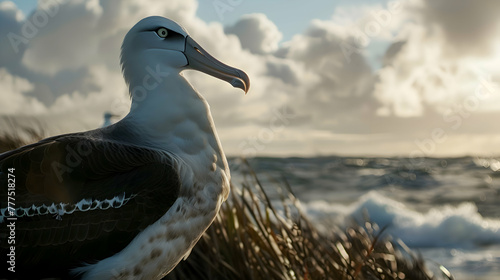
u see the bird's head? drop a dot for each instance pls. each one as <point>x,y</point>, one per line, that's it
<point>155,41</point>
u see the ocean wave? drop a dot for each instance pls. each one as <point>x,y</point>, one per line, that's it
<point>459,226</point>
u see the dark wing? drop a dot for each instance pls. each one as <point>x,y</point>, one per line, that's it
<point>81,200</point>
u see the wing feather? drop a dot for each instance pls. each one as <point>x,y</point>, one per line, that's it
<point>103,194</point>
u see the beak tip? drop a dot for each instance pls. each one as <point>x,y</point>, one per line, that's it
<point>240,83</point>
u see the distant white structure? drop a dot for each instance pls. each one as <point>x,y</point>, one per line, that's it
<point>107,119</point>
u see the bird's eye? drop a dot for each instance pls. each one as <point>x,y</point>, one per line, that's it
<point>162,32</point>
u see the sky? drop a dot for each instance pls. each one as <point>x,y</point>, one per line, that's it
<point>374,78</point>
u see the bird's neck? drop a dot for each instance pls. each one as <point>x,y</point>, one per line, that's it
<point>163,108</point>
<point>174,117</point>
<point>162,103</point>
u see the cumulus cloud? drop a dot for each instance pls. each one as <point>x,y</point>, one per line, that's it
<point>10,23</point>
<point>72,61</point>
<point>468,27</point>
<point>13,99</point>
<point>256,33</point>
<point>416,77</point>
<point>80,33</point>
<point>431,66</point>
<point>322,79</point>
<point>335,86</point>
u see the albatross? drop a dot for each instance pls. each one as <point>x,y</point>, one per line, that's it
<point>130,200</point>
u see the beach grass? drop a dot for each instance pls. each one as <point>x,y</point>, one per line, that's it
<point>252,238</point>
<point>14,134</point>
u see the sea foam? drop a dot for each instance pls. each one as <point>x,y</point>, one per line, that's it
<point>444,226</point>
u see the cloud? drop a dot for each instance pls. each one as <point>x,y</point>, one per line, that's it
<point>334,86</point>
<point>430,66</point>
<point>468,27</point>
<point>13,99</point>
<point>10,23</point>
<point>256,33</point>
<point>67,39</point>
<point>68,73</point>
<point>81,33</point>
<point>72,64</point>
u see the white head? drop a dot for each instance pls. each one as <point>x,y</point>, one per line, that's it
<point>157,40</point>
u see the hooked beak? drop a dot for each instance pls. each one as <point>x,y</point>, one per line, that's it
<point>201,60</point>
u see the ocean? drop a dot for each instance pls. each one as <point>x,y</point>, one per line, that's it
<point>446,209</point>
